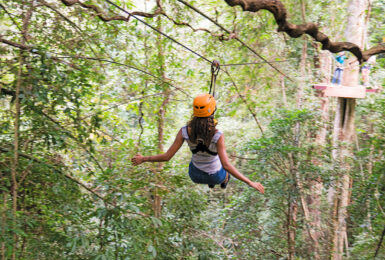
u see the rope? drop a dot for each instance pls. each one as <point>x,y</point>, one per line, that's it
<point>234,37</point>
<point>215,67</point>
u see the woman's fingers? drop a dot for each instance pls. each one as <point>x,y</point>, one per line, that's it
<point>259,187</point>
<point>133,160</point>
<point>136,159</point>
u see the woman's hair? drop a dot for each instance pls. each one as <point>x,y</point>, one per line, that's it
<point>202,129</point>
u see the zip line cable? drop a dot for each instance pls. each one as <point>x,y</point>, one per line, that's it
<point>235,37</point>
<point>158,31</point>
<point>194,52</point>
<point>125,65</point>
<point>187,48</point>
<point>205,16</point>
<point>128,66</point>
<point>253,63</point>
<point>125,102</point>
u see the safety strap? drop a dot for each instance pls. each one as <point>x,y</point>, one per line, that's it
<point>214,72</point>
<point>201,147</point>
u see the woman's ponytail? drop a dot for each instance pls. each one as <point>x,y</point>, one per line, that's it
<point>202,128</point>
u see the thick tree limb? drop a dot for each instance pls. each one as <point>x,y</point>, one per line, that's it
<point>232,35</point>
<point>159,11</point>
<point>374,51</point>
<point>104,17</point>
<point>279,12</point>
<point>273,6</point>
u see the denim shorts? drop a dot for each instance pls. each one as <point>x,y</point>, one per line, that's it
<point>201,177</point>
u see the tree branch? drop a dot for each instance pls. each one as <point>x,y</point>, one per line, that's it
<point>379,243</point>
<point>11,17</point>
<point>33,50</point>
<point>17,45</point>
<point>273,6</point>
<point>220,36</point>
<point>279,12</point>
<point>104,17</point>
<point>159,11</point>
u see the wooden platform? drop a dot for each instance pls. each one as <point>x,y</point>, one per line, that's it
<point>331,90</point>
<point>373,90</point>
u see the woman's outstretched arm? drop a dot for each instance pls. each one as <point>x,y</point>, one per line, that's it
<point>221,148</point>
<point>138,159</point>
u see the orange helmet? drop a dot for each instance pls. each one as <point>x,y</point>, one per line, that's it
<point>204,105</point>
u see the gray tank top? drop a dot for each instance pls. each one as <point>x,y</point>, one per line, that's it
<point>203,160</point>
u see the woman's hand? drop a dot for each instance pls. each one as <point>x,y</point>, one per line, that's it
<point>259,187</point>
<point>137,159</point>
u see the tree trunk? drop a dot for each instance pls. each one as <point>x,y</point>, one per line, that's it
<point>15,161</point>
<point>370,172</point>
<point>313,198</point>
<point>26,17</point>
<point>311,214</point>
<point>302,68</point>
<point>292,201</point>
<point>161,119</point>
<point>344,124</point>
<point>291,225</point>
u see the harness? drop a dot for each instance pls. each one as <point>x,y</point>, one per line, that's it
<point>201,147</point>
<point>214,73</point>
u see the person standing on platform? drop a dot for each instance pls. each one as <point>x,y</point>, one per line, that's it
<point>365,71</point>
<point>337,77</point>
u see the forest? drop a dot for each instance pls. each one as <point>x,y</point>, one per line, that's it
<point>85,85</point>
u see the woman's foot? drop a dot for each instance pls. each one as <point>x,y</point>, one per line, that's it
<point>211,186</point>
<point>224,184</point>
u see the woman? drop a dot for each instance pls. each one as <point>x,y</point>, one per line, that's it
<point>209,164</point>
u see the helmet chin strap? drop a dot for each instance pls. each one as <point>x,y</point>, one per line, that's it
<point>214,72</point>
